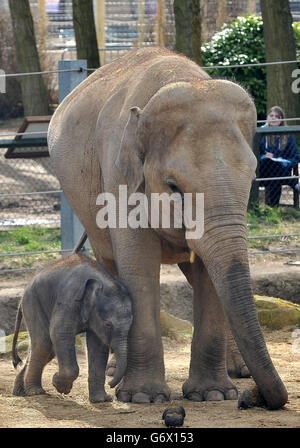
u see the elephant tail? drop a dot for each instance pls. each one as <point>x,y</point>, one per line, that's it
<point>80,243</point>
<point>16,359</point>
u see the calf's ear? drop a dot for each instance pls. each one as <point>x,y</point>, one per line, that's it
<point>91,291</point>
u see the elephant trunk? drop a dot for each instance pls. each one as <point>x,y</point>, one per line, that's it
<point>224,253</point>
<point>120,348</point>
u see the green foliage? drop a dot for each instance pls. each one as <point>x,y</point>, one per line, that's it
<point>28,239</point>
<point>264,214</point>
<point>242,42</point>
<point>269,221</point>
<point>296,26</point>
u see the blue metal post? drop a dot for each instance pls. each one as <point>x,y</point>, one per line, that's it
<point>71,227</point>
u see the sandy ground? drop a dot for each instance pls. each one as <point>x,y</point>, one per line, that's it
<point>74,410</point>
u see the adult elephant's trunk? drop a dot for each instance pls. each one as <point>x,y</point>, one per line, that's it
<point>223,249</point>
<point>119,346</point>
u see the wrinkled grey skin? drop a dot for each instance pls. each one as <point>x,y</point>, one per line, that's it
<point>72,296</point>
<point>157,123</point>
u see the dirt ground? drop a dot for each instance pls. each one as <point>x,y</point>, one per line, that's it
<point>74,410</point>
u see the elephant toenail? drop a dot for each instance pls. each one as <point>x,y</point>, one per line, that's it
<point>214,395</point>
<point>194,396</point>
<point>231,394</point>
<point>160,398</point>
<point>123,396</point>
<point>245,372</point>
<point>140,397</point>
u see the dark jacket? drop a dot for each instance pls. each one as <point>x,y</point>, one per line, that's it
<point>289,152</point>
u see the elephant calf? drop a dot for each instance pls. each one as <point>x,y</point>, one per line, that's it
<point>72,296</point>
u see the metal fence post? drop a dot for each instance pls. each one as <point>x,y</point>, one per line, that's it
<point>71,227</point>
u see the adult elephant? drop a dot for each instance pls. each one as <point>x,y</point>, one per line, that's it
<point>156,122</point>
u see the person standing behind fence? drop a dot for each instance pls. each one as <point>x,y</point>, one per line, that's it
<point>278,155</point>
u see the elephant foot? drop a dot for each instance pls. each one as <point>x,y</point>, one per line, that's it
<point>201,391</point>
<point>34,390</point>
<point>251,398</point>
<point>19,390</point>
<point>100,397</point>
<point>238,369</point>
<point>236,366</point>
<point>142,392</point>
<point>62,384</point>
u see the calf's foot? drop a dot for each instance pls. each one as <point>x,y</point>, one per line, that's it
<point>100,397</point>
<point>62,384</point>
<point>34,390</point>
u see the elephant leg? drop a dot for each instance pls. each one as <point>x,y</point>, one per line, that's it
<point>208,378</point>
<point>64,348</point>
<point>19,387</point>
<point>40,354</point>
<point>236,366</point>
<point>97,360</point>
<point>138,256</point>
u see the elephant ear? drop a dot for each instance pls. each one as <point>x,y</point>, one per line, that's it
<point>91,291</point>
<point>129,160</point>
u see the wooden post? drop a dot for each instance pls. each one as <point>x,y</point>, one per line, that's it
<point>141,23</point>
<point>42,38</point>
<point>204,28</point>
<point>254,192</point>
<point>161,23</point>
<point>251,7</point>
<point>100,27</point>
<point>222,14</point>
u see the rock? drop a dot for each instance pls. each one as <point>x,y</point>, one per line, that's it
<point>24,341</point>
<point>9,301</point>
<point>177,298</point>
<point>276,313</point>
<point>6,342</point>
<point>285,285</point>
<point>173,327</point>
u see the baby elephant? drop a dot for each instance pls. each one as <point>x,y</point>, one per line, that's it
<point>72,296</point>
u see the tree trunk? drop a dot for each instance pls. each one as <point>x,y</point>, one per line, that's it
<point>85,32</point>
<point>222,14</point>
<point>280,46</point>
<point>188,28</point>
<point>34,93</point>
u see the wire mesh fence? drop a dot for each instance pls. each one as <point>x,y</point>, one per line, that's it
<point>29,193</point>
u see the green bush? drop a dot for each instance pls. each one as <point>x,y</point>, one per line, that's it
<point>242,42</point>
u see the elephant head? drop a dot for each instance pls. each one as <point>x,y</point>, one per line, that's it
<point>196,138</point>
<point>107,310</point>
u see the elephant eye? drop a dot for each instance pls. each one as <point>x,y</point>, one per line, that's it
<point>108,325</point>
<point>173,187</point>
